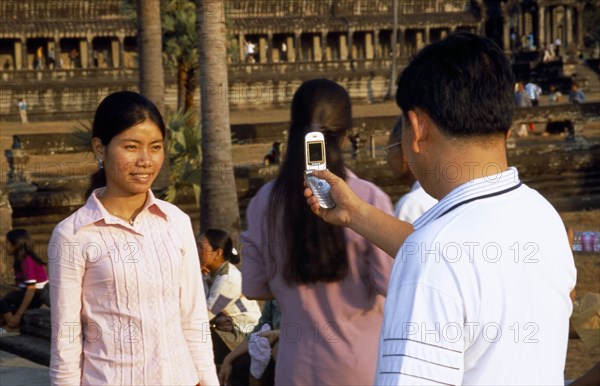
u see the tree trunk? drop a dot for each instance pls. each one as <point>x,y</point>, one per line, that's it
<point>190,88</point>
<point>218,201</point>
<point>181,81</point>
<point>151,82</point>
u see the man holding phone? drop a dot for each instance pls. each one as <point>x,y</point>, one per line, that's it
<point>479,292</point>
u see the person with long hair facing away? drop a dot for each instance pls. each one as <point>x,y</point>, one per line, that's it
<point>128,305</point>
<point>30,277</point>
<point>231,314</point>
<point>330,282</point>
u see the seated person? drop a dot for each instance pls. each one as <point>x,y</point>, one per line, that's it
<point>576,95</point>
<point>273,155</point>
<point>30,277</point>
<point>236,367</point>
<point>232,315</point>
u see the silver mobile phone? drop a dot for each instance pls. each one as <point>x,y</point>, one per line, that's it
<point>314,144</point>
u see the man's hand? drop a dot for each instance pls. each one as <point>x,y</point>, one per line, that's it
<point>346,202</point>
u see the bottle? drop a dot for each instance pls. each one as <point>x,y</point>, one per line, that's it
<point>587,244</point>
<point>577,242</point>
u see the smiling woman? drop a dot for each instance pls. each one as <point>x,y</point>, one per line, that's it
<point>126,265</point>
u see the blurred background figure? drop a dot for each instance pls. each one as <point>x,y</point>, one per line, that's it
<point>30,277</point>
<point>231,315</point>
<point>273,156</point>
<point>416,202</point>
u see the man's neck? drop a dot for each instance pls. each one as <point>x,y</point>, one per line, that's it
<point>458,165</point>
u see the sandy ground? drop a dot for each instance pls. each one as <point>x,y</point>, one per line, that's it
<point>579,358</point>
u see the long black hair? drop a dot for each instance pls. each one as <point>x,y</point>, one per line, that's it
<point>315,251</point>
<point>219,239</point>
<point>116,113</point>
<point>21,241</point>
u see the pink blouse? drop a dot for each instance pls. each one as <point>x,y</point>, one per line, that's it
<point>128,305</point>
<point>329,331</point>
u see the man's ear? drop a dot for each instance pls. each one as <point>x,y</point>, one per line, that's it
<point>98,148</point>
<point>418,130</point>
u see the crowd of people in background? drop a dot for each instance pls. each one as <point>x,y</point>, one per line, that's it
<point>147,302</point>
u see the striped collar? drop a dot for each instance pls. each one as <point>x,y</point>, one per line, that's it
<point>480,188</point>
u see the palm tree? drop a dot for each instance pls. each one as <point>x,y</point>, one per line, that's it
<point>181,48</point>
<point>152,83</point>
<point>218,200</point>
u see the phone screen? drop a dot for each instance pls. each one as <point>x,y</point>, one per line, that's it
<point>315,152</point>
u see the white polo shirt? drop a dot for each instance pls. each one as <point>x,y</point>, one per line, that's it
<point>479,293</point>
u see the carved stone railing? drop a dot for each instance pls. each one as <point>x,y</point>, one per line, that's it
<point>48,10</point>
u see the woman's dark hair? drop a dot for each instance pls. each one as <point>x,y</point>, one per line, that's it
<point>21,241</point>
<point>116,113</point>
<point>219,239</point>
<point>315,250</point>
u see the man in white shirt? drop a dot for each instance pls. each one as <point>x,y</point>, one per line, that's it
<point>534,91</point>
<point>479,292</point>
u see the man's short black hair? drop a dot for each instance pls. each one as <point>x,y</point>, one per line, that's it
<point>464,83</point>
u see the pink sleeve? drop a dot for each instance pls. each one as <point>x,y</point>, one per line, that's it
<point>194,314</point>
<point>66,266</point>
<point>254,271</point>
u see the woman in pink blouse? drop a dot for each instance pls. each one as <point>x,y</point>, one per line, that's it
<point>329,281</point>
<point>128,305</point>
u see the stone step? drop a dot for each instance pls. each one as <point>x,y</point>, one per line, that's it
<point>34,342</point>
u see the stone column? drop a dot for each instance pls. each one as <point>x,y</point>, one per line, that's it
<point>114,53</point>
<point>580,26</point>
<point>377,48</point>
<point>350,43</point>
<point>271,49</point>
<point>291,48</point>
<point>369,45</point>
<point>262,50</point>
<point>317,51</point>
<point>297,46</point>
<point>325,54</point>
<point>541,30</point>
<point>84,47</point>
<point>57,51</point>
<point>20,59</point>
<point>121,60</point>
<point>401,42</point>
<point>427,35</point>
<point>242,48</point>
<point>506,35</point>
<point>343,47</point>
<point>568,28</point>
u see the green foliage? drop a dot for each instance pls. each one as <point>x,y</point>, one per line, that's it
<point>179,33</point>
<point>185,153</point>
<point>82,133</point>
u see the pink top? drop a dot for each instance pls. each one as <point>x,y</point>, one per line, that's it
<point>329,331</point>
<point>31,273</point>
<point>136,292</point>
